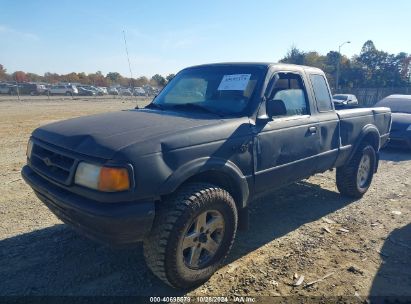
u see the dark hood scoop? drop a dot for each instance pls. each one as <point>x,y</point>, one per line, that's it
<point>103,135</point>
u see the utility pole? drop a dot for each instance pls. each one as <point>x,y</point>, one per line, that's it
<point>337,78</point>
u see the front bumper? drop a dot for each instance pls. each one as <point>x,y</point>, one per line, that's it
<point>112,223</point>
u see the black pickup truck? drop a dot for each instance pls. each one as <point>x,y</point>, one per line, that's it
<point>180,173</point>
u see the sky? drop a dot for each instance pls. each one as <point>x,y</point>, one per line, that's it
<point>166,36</point>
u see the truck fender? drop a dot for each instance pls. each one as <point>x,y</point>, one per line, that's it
<point>208,164</point>
<point>368,132</point>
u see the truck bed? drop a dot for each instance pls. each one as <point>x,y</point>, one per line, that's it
<point>353,122</point>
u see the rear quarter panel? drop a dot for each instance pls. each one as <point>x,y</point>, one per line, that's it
<point>355,124</point>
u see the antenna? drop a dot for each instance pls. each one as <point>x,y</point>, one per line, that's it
<point>128,58</point>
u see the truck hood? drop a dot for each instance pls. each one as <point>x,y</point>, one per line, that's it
<point>103,135</point>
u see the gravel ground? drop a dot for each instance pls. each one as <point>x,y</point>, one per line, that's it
<point>357,247</point>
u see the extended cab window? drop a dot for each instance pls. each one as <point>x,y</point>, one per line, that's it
<point>290,89</point>
<point>322,95</point>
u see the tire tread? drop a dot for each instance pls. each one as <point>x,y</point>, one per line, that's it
<point>168,213</point>
<point>346,176</point>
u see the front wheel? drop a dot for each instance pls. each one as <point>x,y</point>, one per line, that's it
<point>354,178</point>
<point>192,234</point>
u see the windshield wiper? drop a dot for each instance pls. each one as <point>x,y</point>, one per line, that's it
<point>154,106</point>
<point>197,107</point>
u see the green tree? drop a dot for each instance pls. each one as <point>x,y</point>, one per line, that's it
<point>114,77</point>
<point>141,81</point>
<point>381,68</point>
<point>169,77</point>
<point>158,80</point>
<point>294,56</point>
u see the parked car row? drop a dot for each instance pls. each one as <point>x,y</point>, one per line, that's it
<point>73,89</point>
<point>22,88</point>
<point>137,91</point>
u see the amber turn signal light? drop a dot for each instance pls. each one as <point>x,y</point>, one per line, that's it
<point>113,179</point>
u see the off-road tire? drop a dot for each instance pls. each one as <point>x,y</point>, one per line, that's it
<point>161,247</point>
<point>347,175</point>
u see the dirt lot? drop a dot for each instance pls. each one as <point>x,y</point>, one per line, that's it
<point>294,231</point>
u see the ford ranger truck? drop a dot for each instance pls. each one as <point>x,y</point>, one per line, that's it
<point>180,173</point>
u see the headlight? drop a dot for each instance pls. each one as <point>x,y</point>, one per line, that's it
<point>409,128</point>
<point>29,148</point>
<point>108,179</point>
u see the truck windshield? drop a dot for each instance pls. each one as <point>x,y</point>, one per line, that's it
<point>223,90</point>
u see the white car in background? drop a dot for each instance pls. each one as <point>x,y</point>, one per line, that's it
<point>68,90</point>
<point>113,91</point>
<point>139,91</point>
<point>102,90</point>
<point>341,100</point>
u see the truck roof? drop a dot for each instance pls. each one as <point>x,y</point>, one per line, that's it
<point>263,64</point>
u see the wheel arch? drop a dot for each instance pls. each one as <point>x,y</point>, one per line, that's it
<point>371,135</point>
<point>219,172</point>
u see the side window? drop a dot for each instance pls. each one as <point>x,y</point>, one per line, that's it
<point>322,95</point>
<point>290,89</point>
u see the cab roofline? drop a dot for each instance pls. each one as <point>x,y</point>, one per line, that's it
<point>261,64</point>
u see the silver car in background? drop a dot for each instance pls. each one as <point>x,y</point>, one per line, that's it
<point>341,100</point>
<point>68,90</point>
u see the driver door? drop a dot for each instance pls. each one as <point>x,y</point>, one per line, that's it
<point>287,144</point>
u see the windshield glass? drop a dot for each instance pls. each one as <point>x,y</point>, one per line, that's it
<point>340,97</point>
<point>218,89</point>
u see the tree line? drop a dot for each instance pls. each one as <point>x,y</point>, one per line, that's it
<point>372,68</point>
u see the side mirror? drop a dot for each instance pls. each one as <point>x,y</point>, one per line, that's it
<point>275,107</point>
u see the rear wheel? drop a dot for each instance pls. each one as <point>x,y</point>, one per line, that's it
<point>192,234</point>
<point>355,178</point>
<point>68,94</point>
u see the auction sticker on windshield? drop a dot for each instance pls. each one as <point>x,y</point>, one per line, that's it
<point>235,82</point>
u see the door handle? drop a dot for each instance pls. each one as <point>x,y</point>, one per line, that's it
<point>312,130</point>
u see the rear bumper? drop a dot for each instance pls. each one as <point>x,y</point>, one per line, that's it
<point>112,223</point>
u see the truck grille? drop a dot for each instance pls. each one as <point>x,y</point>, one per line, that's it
<point>52,164</point>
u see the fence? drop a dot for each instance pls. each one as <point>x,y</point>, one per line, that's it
<point>370,96</point>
